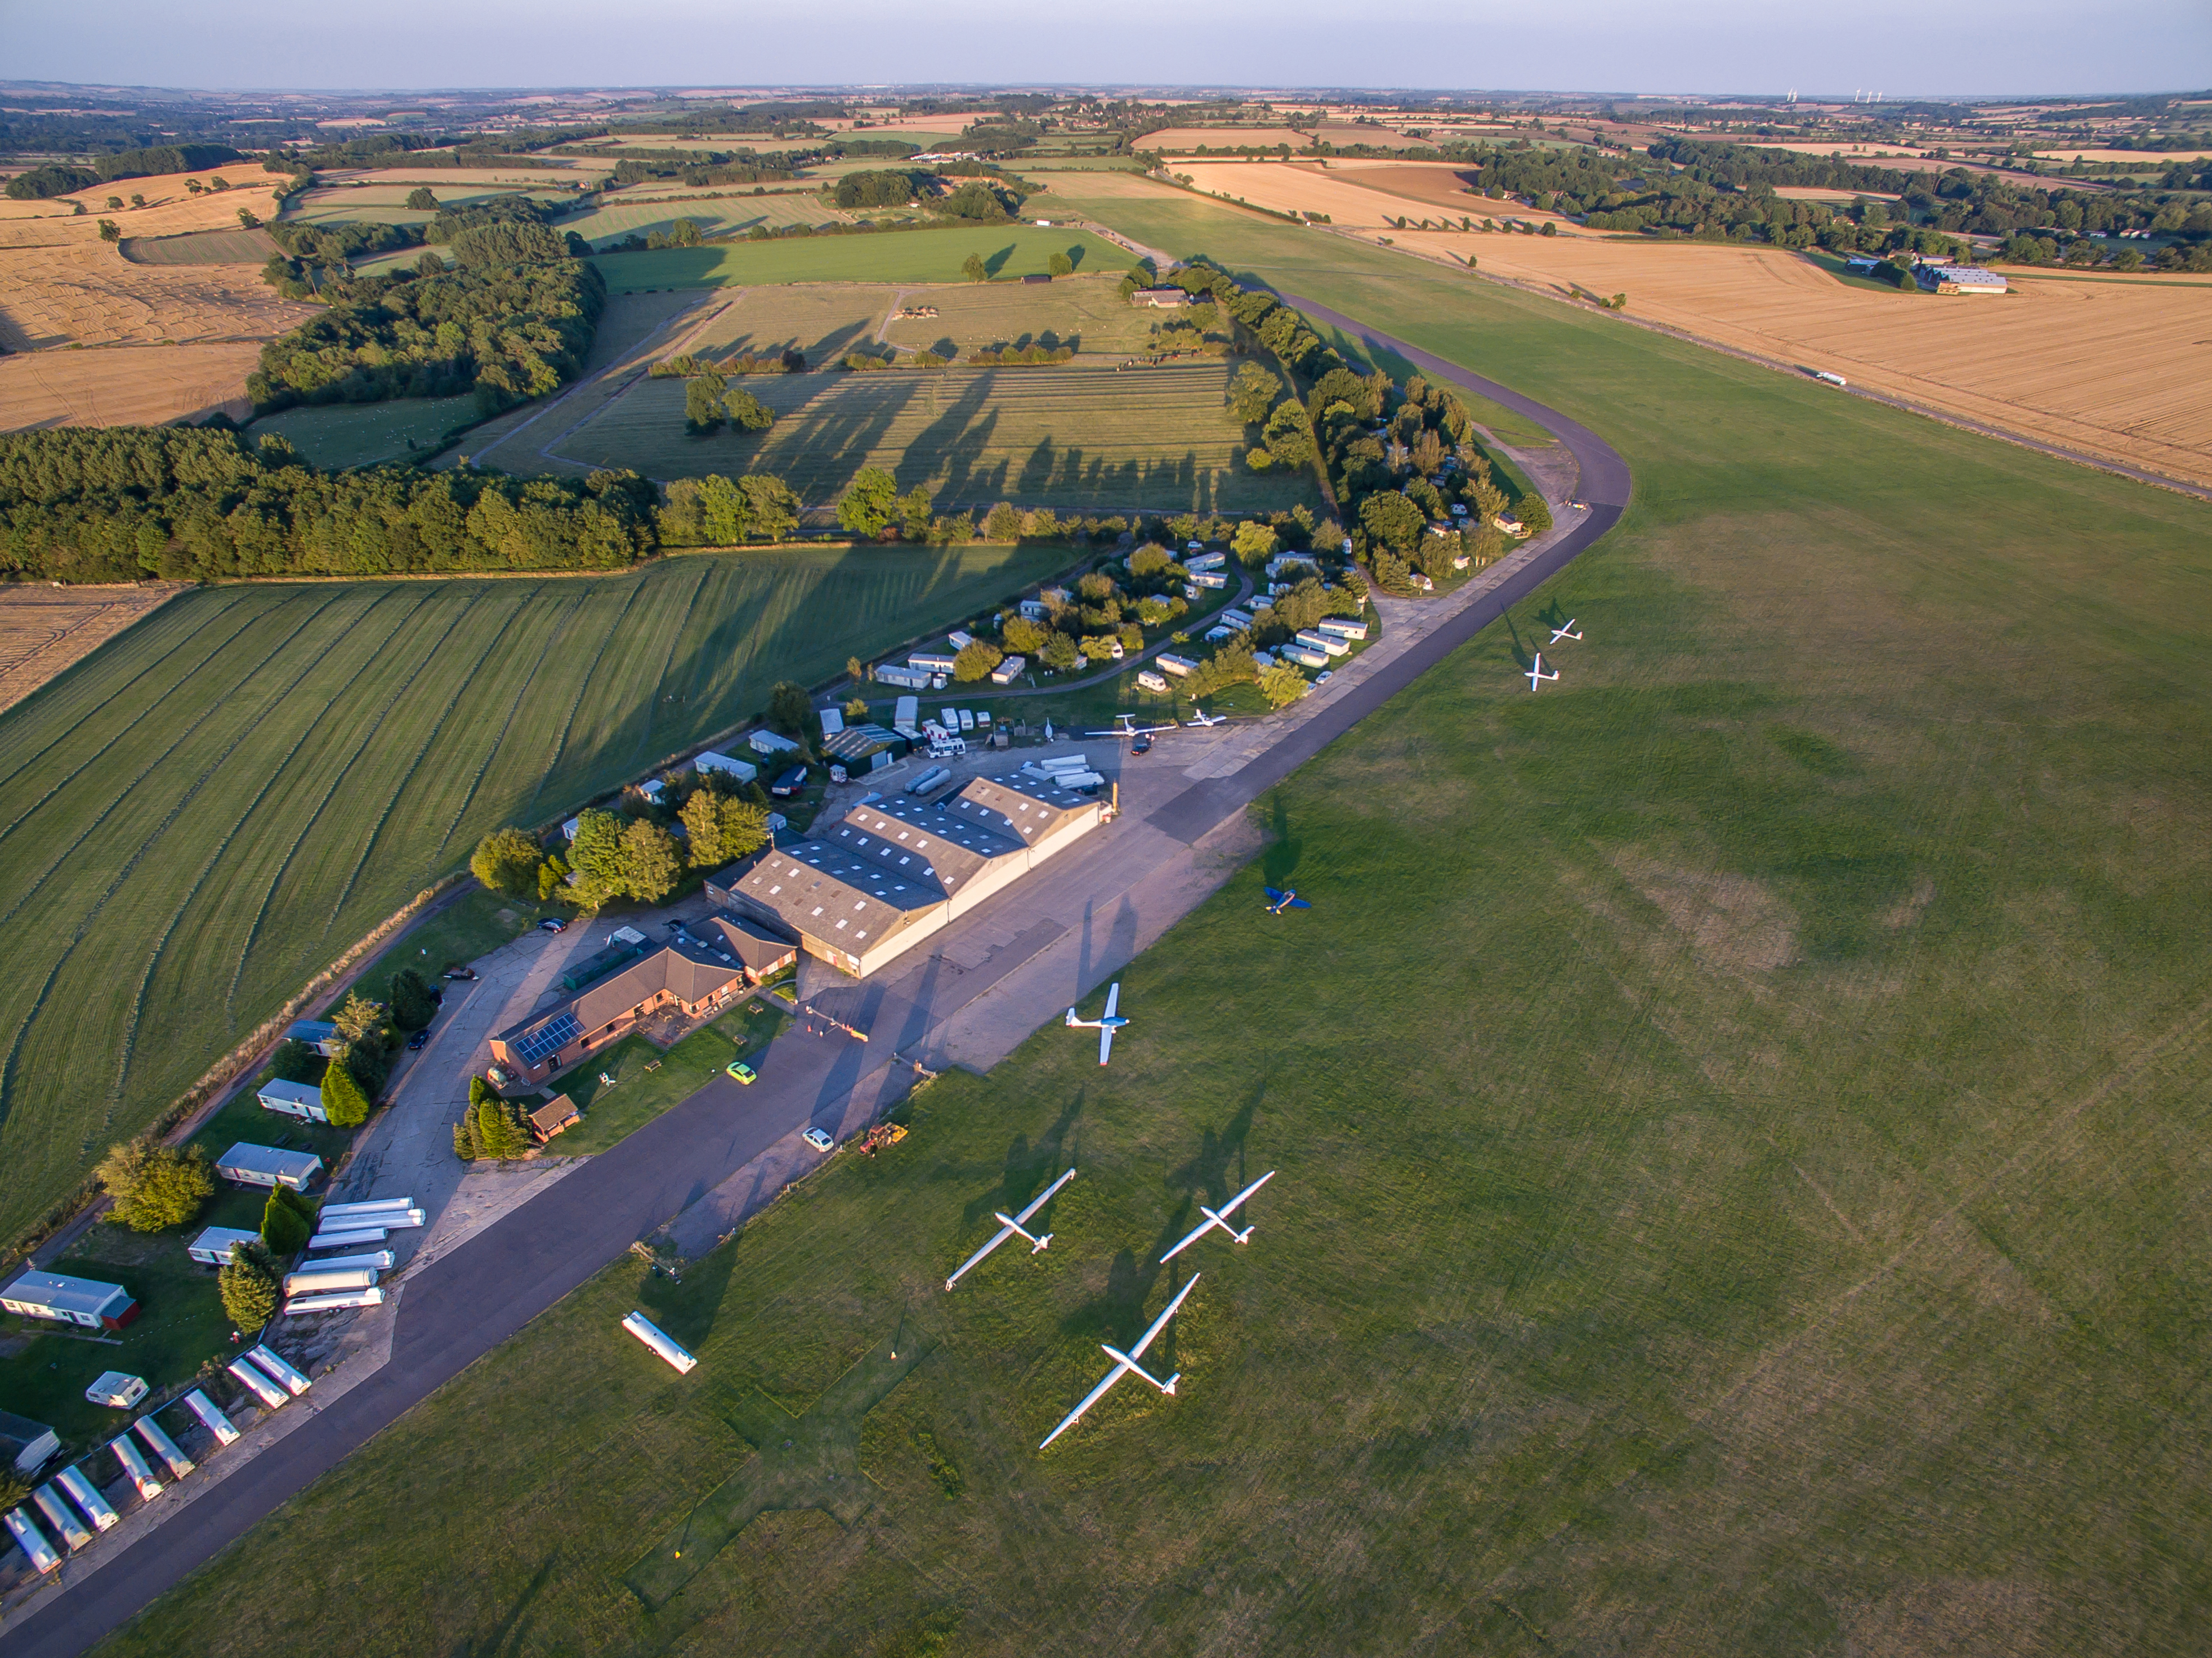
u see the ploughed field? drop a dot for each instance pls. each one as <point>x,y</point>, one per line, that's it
<point>206,812</point>
<point>1739,1123</point>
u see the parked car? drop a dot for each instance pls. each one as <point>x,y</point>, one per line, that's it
<point>741,1070</point>
<point>419,1040</point>
<point>1142,745</point>
<point>552,924</point>
<point>460,973</point>
<point>818,1140</point>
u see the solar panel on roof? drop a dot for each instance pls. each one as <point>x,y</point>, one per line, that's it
<point>551,1039</point>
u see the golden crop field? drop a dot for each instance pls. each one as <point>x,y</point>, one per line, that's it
<point>2115,367</point>
<point>2125,157</point>
<point>44,629</point>
<point>1180,138</point>
<point>559,169</point>
<point>1357,194</point>
<point>125,385</point>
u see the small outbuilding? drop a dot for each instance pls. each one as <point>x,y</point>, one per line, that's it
<point>67,1300</point>
<point>266,1166</point>
<point>293,1100</point>
<point>555,1117</point>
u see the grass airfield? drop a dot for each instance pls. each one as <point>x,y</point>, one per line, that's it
<point>1740,1115</point>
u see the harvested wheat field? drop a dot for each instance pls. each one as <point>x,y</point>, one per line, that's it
<point>60,284</point>
<point>44,629</point>
<point>1357,194</point>
<point>125,385</point>
<point>1337,133</point>
<point>2117,367</point>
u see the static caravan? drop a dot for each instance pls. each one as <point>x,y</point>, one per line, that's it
<point>212,1247</point>
<point>248,1165</point>
<point>86,1302</point>
<point>1212,581</point>
<point>930,662</point>
<point>318,1034</point>
<point>769,745</point>
<point>1009,671</point>
<point>906,678</point>
<point>1342,627</point>
<point>568,829</point>
<point>1327,644</point>
<point>293,1100</point>
<point>1180,666</point>
<point>1205,562</point>
<point>1303,656</point>
<point>1147,680</point>
<point>744,770</point>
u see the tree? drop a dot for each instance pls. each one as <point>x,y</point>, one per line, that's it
<point>347,1106</point>
<point>248,1285</point>
<point>976,660</point>
<point>412,1004</point>
<point>430,265</point>
<point>552,877</point>
<point>596,854</point>
<point>651,862</point>
<point>1059,265</point>
<point>1390,519</point>
<point>791,710</point>
<point>491,1127</point>
<point>745,827</point>
<point>296,1062</point>
<point>1255,543</point>
<point>973,269</point>
<point>869,501</point>
<point>155,1186</point>
<point>771,508</point>
<point>110,231</point>
<point>913,513</point>
<point>1059,652</point>
<point>746,412</point>
<point>420,200</point>
<point>248,220</point>
<point>357,1017</point>
<point>138,201</point>
<point>115,205</point>
<point>702,818</point>
<point>856,672</point>
<point>288,1220</point>
<point>1282,684</point>
<point>702,402</point>
<point>1021,635</point>
<point>505,861</point>
<point>1253,393</point>
<point>856,710</point>
<point>1002,523</point>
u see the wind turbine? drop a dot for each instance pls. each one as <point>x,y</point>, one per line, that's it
<point>1537,672</point>
<point>1126,1363</point>
<point>1106,1024</point>
<point>1010,1226</point>
<point>1220,1218</point>
<point>1567,631</point>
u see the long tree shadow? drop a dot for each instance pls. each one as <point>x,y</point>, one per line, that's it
<point>508,1631</point>
<point>1208,1174</point>
<point>1030,1166</point>
<point>1280,860</point>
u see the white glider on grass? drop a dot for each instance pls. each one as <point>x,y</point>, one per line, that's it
<point>1220,1218</point>
<point>1106,1024</point>
<point>1558,634</point>
<point>1124,1364</point>
<point>1010,1226</point>
<point>1537,672</point>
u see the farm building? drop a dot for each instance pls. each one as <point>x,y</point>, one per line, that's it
<point>862,889</point>
<point>266,1166</point>
<point>557,1116</point>
<point>293,1100</point>
<point>25,1443</point>
<point>1960,279</point>
<point>318,1034</point>
<point>83,1300</point>
<point>689,976</point>
<point>212,1247</point>
<point>1160,299</point>
<point>861,748</point>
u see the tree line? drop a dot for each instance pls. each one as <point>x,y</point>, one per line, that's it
<point>40,183</point>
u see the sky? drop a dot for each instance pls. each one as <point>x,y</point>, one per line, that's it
<point>1900,47</point>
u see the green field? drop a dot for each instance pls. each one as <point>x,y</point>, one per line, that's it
<point>206,812</point>
<point>200,247</point>
<point>363,433</point>
<point>387,203</point>
<point>715,216</point>
<point>903,256</point>
<point>1078,437</point>
<point>1741,1126</point>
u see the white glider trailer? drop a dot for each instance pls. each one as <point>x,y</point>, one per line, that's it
<point>62,1518</point>
<point>96,1508</point>
<point>211,1416</point>
<point>275,1363</point>
<point>645,1331</point>
<point>134,1464</point>
<point>249,1377</point>
<point>164,1446</point>
<point>32,1541</point>
<point>350,1239</point>
<point>332,1302</point>
<point>329,1213</point>
<point>318,1280</point>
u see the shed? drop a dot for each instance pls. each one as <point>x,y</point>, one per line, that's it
<point>212,1247</point>
<point>116,1390</point>
<point>556,1115</point>
<point>69,1301</point>
<point>27,1444</point>
<point>293,1100</point>
<point>265,1165</point>
<point>318,1034</point>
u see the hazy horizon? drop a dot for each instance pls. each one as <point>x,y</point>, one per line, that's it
<point>1977,49</point>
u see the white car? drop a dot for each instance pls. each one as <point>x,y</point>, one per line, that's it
<point>818,1140</point>
<point>1324,676</point>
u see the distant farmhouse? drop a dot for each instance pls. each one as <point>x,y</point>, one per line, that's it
<point>862,889</point>
<point>1162,299</point>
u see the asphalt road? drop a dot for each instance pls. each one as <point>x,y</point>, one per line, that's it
<point>467,1303</point>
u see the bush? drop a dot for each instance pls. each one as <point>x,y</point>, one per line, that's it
<point>287,1220</point>
<point>249,1286</point>
<point>342,1098</point>
<point>1282,684</point>
<point>155,1186</point>
<point>413,1006</point>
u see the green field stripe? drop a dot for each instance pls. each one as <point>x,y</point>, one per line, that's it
<point>499,744</point>
<point>68,725</point>
<point>400,788</point>
<point>425,595</point>
<point>583,683</point>
<point>145,711</point>
<point>668,658</point>
<point>215,705</point>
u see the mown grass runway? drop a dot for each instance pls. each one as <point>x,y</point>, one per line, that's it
<point>204,814</point>
<point>1741,1117</point>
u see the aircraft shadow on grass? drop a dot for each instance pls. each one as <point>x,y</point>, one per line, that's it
<point>1280,860</point>
<point>1030,1167</point>
<point>810,1461</point>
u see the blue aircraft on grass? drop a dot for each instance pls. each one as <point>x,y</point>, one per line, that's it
<point>1278,901</point>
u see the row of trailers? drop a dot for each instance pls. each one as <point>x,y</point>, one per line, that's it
<point>72,1505</point>
<point>342,1281</point>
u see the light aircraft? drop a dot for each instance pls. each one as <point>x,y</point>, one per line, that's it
<point>1537,672</point>
<point>1220,1218</point>
<point>1558,634</point>
<point>1010,1226</point>
<point>1125,1362</point>
<point>1106,1024</point>
<point>1200,717</point>
<point>1129,727</point>
<point>1277,901</point>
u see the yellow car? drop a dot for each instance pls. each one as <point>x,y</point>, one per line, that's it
<point>741,1070</point>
